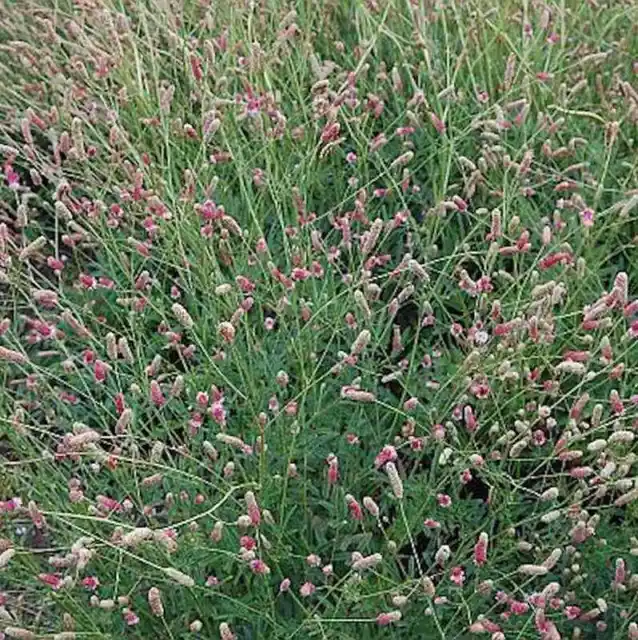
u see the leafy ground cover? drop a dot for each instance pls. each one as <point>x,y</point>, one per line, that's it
<point>318,319</point>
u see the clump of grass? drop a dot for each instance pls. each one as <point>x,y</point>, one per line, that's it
<point>317,319</point>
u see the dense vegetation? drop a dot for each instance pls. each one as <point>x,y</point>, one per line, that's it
<point>317,319</point>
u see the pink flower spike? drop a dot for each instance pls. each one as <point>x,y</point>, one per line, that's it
<point>52,580</point>
<point>157,397</point>
<point>247,542</point>
<point>284,585</point>
<point>354,507</point>
<point>587,217</point>
<point>253,508</point>
<point>385,619</point>
<point>91,583</point>
<point>519,608</point>
<point>130,617</point>
<point>572,612</point>
<point>444,500</point>
<point>457,576</point>
<point>333,469</point>
<point>387,454</point>
<point>100,371</point>
<point>480,550</point>
<point>259,567</point>
<point>437,123</point>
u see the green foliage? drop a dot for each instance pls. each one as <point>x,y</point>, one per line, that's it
<point>239,199</point>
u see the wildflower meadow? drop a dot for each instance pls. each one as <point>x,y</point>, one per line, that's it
<point>318,319</point>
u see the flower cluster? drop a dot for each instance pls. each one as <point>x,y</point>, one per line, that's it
<point>307,328</point>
